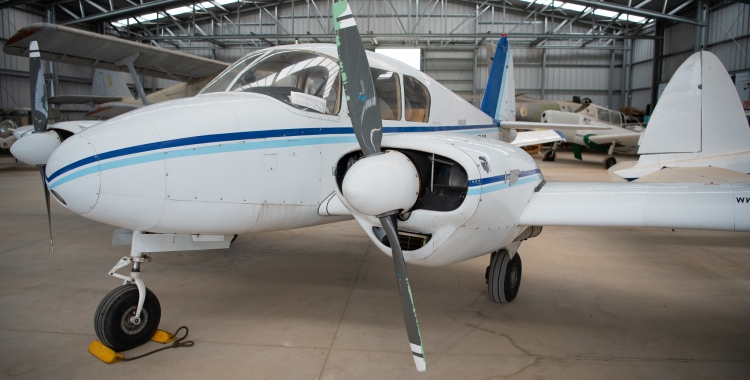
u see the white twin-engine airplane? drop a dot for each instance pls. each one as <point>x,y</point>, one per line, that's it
<point>276,143</point>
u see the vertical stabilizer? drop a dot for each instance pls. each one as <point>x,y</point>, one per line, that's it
<point>699,114</point>
<point>109,83</point>
<point>499,99</point>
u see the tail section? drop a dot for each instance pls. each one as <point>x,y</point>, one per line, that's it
<point>699,114</point>
<point>109,83</point>
<point>499,100</point>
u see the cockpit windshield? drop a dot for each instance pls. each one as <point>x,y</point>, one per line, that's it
<point>302,79</point>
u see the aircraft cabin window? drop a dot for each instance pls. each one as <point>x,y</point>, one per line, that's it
<point>603,115</point>
<point>305,80</point>
<point>388,90</point>
<point>223,80</point>
<point>616,119</point>
<point>417,102</point>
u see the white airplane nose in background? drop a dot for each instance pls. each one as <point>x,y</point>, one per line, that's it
<point>73,175</point>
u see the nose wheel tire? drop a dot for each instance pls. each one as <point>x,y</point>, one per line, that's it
<point>114,324</point>
<point>503,276</point>
<point>609,162</point>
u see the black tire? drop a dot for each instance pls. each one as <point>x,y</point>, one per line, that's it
<point>609,162</point>
<point>111,321</point>
<point>504,276</point>
<point>549,156</point>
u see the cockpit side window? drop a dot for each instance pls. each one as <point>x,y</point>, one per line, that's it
<point>306,80</point>
<point>417,100</point>
<point>602,115</point>
<point>223,80</point>
<point>616,119</point>
<point>303,79</point>
<point>388,90</point>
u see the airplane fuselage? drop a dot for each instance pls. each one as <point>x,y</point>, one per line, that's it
<point>241,162</point>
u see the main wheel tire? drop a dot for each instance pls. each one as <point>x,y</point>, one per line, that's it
<point>504,276</point>
<point>112,319</point>
<point>549,156</point>
<point>609,162</point>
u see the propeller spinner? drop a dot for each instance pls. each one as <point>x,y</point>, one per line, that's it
<point>380,184</point>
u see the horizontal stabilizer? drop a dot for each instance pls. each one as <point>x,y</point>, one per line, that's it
<point>537,137</point>
<point>628,139</point>
<point>78,99</point>
<point>695,175</point>
<point>709,205</point>
<point>532,125</point>
<point>78,47</point>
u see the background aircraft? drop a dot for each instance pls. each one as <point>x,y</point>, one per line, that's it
<point>78,47</point>
<point>620,135</point>
<point>429,184</point>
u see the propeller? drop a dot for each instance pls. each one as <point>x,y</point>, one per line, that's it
<point>39,115</point>
<point>380,184</point>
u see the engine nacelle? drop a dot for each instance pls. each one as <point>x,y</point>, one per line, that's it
<point>471,197</point>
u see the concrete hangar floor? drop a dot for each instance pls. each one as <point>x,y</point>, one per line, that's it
<point>321,302</point>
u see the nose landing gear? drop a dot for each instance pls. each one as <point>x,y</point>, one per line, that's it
<point>116,322</point>
<point>128,316</point>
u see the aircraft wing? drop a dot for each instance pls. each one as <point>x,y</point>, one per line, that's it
<point>532,125</point>
<point>78,99</point>
<point>714,205</point>
<point>78,47</point>
<point>112,109</point>
<point>537,137</point>
<point>628,139</point>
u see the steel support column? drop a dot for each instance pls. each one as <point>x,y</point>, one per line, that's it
<point>656,72</point>
<point>701,31</point>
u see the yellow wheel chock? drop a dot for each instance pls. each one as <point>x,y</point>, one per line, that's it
<point>109,356</point>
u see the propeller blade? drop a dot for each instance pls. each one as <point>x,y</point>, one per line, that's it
<point>39,113</point>
<point>368,127</point>
<point>404,291</point>
<point>46,198</point>
<point>355,73</point>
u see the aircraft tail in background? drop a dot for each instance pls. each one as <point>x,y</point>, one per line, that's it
<point>499,100</point>
<point>109,83</point>
<point>698,115</point>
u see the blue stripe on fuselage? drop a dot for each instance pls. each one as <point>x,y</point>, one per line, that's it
<point>241,136</point>
<point>484,189</point>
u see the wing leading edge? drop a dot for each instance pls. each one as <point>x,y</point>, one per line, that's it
<point>710,205</point>
<point>79,47</point>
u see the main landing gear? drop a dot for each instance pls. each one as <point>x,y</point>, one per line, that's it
<point>551,155</point>
<point>610,161</point>
<point>503,276</point>
<point>129,315</point>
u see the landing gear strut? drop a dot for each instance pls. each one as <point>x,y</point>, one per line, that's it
<point>128,316</point>
<point>551,155</point>
<point>503,276</point>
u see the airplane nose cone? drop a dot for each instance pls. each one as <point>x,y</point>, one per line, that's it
<point>73,174</point>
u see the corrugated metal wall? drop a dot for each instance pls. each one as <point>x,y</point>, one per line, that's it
<point>568,72</point>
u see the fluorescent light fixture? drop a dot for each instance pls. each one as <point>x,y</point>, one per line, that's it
<point>581,8</point>
<point>410,57</point>
<point>173,12</point>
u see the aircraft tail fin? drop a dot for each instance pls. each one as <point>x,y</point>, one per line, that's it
<point>699,114</point>
<point>499,100</point>
<point>109,83</point>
